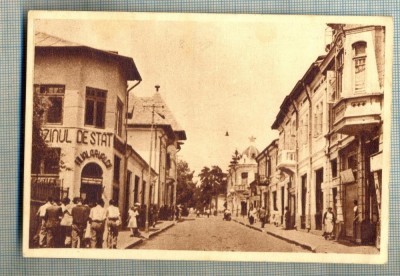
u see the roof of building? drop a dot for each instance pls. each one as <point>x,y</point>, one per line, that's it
<point>46,41</point>
<point>307,78</point>
<point>264,152</point>
<point>142,114</point>
<point>251,152</point>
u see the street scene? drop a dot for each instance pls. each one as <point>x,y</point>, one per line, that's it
<point>210,135</point>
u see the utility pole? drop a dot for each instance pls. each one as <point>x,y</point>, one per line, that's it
<point>148,199</point>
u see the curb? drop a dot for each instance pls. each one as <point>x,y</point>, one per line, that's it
<point>130,246</point>
<point>303,245</point>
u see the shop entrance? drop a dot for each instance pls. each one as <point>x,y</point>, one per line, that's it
<point>91,182</point>
<point>351,195</point>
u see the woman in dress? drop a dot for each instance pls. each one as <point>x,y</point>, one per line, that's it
<point>329,222</point>
<point>132,220</point>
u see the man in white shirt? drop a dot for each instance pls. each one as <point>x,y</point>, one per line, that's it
<point>97,217</point>
<point>114,220</point>
<point>41,213</point>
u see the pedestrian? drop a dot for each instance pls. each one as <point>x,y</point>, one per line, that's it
<point>80,216</point>
<point>251,215</point>
<point>52,217</point>
<point>287,218</point>
<point>262,216</point>
<point>355,220</point>
<point>97,217</point>
<point>42,232</point>
<point>66,222</point>
<point>113,221</point>
<point>208,212</point>
<point>329,222</point>
<point>132,220</point>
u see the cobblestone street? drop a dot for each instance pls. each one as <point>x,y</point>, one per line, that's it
<point>214,234</point>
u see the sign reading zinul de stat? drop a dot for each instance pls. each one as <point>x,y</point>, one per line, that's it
<point>79,136</point>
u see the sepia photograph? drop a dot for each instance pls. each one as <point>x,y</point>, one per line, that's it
<point>207,137</point>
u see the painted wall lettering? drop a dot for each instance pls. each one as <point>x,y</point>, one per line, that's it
<point>93,154</point>
<point>61,135</point>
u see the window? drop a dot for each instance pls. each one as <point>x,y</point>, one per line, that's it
<point>274,199</point>
<point>136,191</point>
<point>49,163</point>
<point>359,57</point>
<point>339,74</point>
<point>52,97</point>
<point>305,130</point>
<point>119,118</point>
<point>334,168</point>
<point>117,165</point>
<point>245,176</point>
<point>95,109</point>
<point>318,120</point>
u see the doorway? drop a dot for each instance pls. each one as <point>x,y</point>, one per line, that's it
<point>319,178</point>
<point>351,195</point>
<point>303,201</point>
<point>91,183</point>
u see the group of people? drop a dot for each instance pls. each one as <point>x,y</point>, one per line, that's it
<point>79,224</point>
<point>255,214</point>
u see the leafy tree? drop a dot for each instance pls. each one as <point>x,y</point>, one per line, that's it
<point>185,186</point>
<point>213,182</point>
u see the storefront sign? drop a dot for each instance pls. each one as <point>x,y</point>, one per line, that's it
<point>347,176</point>
<point>93,154</point>
<point>79,136</point>
<point>42,180</point>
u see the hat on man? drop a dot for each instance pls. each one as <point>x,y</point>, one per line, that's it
<point>137,204</point>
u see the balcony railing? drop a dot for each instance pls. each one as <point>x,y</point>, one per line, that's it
<point>287,160</point>
<point>353,115</point>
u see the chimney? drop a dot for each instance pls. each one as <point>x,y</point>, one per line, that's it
<point>157,87</point>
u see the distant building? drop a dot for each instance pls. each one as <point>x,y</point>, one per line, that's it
<point>240,175</point>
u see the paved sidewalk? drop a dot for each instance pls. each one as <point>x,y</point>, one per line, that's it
<point>125,241</point>
<point>312,242</point>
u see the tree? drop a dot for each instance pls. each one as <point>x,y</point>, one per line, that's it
<point>185,188</point>
<point>213,182</point>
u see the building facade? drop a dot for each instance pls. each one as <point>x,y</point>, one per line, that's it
<point>85,94</point>
<point>162,130</point>
<point>241,174</point>
<point>330,138</point>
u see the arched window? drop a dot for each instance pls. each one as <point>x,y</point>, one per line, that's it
<point>359,57</point>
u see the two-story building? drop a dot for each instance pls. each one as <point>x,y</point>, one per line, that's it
<point>157,133</point>
<point>330,137</point>
<point>84,91</point>
<point>241,173</point>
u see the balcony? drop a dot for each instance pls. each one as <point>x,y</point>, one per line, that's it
<point>287,161</point>
<point>353,115</point>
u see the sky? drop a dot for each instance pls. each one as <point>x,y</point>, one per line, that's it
<point>217,73</point>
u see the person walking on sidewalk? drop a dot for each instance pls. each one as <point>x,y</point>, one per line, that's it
<point>251,215</point>
<point>66,222</point>
<point>80,216</point>
<point>53,217</point>
<point>42,231</point>
<point>329,222</point>
<point>132,220</point>
<point>114,220</point>
<point>97,218</point>
<point>262,216</point>
<point>287,218</point>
